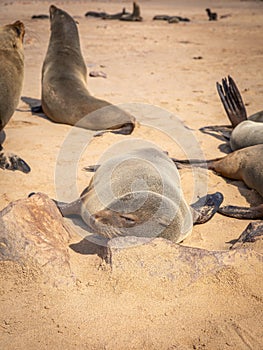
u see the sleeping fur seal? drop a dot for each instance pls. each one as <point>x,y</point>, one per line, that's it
<point>139,194</point>
<point>65,98</point>
<point>245,164</point>
<point>11,82</point>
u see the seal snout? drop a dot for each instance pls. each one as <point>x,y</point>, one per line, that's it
<point>52,10</point>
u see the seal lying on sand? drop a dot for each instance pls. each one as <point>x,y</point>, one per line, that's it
<point>65,98</point>
<point>139,194</point>
<point>11,82</point>
<point>247,131</point>
<point>135,16</point>
<point>105,15</point>
<point>245,164</point>
<point>170,19</point>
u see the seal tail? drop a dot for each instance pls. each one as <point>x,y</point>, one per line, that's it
<point>242,212</point>
<point>232,101</point>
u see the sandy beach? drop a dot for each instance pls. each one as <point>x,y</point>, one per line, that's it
<point>161,72</point>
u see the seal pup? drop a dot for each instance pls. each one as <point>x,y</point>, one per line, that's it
<point>138,193</point>
<point>65,98</point>
<point>135,16</point>
<point>212,16</point>
<point>244,131</point>
<point>11,82</point>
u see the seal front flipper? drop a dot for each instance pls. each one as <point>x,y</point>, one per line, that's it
<point>232,101</point>
<point>253,230</point>
<point>33,103</point>
<point>11,161</point>
<point>206,207</point>
<point>126,129</point>
<point>242,212</point>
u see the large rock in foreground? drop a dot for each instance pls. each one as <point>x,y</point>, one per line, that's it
<point>33,232</point>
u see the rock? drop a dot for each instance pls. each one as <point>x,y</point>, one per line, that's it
<point>33,232</point>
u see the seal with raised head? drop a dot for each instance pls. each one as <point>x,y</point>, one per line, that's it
<point>138,193</point>
<point>11,82</point>
<point>65,98</point>
<point>244,131</point>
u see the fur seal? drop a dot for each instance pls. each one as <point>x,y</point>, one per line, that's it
<point>212,16</point>
<point>170,19</point>
<point>245,164</point>
<point>11,82</point>
<point>65,98</point>
<point>105,15</point>
<point>138,194</point>
<point>135,16</point>
<point>246,131</point>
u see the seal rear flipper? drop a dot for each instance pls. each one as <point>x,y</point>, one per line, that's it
<point>222,132</point>
<point>242,212</point>
<point>11,161</point>
<point>189,163</point>
<point>206,207</point>
<point>232,101</point>
<point>253,230</point>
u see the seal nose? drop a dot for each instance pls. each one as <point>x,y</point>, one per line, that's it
<point>52,9</point>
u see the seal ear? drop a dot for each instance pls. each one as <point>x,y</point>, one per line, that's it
<point>19,29</point>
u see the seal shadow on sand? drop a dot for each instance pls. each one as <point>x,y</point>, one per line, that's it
<point>33,103</point>
<point>91,244</point>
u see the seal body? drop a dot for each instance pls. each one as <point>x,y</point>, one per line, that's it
<point>11,69</point>
<point>245,164</point>
<point>245,134</point>
<point>65,98</point>
<point>11,83</point>
<point>135,194</point>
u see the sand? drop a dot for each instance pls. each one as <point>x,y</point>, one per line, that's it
<point>162,72</point>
